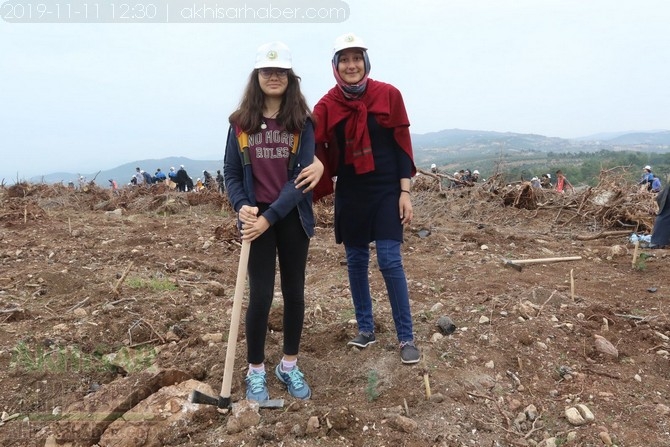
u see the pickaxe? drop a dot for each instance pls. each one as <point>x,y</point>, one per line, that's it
<point>223,402</point>
<point>517,264</point>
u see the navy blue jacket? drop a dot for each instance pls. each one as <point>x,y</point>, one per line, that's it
<point>240,183</point>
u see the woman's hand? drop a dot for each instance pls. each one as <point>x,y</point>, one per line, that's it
<point>310,176</point>
<point>405,205</point>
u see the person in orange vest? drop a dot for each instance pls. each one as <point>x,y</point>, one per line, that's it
<point>562,182</point>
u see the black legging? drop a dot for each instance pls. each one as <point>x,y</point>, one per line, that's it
<point>287,241</point>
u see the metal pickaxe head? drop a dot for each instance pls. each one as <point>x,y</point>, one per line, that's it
<point>224,403</point>
<point>510,263</point>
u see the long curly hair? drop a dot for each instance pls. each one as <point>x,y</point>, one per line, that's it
<point>292,113</point>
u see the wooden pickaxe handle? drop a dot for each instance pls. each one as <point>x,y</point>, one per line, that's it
<point>544,260</point>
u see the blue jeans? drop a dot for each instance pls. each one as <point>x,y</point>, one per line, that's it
<point>390,265</point>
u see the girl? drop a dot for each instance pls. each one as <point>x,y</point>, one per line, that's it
<point>270,140</point>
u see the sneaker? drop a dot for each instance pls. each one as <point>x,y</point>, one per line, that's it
<point>409,353</point>
<point>295,382</point>
<point>256,387</point>
<point>363,339</point>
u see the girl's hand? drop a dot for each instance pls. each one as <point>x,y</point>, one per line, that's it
<point>248,215</point>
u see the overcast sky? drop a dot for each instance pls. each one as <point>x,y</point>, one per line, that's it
<point>83,97</point>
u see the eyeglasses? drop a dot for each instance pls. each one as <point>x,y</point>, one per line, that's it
<point>267,73</point>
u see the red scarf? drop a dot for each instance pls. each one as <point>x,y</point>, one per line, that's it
<point>382,100</point>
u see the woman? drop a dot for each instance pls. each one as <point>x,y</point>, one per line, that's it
<point>270,140</point>
<point>363,137</point>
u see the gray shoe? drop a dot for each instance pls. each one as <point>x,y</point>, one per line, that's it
<point>409,353</point>
<point>363,339</point>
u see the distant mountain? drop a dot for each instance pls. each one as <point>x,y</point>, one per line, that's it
<point>655,138</point>
<point>448,146</point>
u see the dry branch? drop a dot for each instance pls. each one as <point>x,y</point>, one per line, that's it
<point>116,288</point>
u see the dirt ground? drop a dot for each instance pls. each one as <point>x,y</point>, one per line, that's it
<point>79,281</point>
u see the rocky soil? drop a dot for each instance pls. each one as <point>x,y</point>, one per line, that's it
<point>113,308</point>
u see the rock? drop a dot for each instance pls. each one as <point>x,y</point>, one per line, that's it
<point>151,422</point>
<point>446,325</point>
<point>637,378</point>
<point>604,346</point>
<point>437,398</point>
<point>531,412</point>
<point>484,319</point>
<point>312,425</point>
<point>79,312</point>
<point>437,307</point>
<point>244,415</point>
<point>605,438</point>
<point>436,337</point>
<point>403,424</point>
<point>549,442</point>
<point>212,338</point>
<point>514,405</point>
<point>574,417</point>
<point>585,412</point>
<point>490,364</point>
<point>662,409</point>
<point>116,214</point>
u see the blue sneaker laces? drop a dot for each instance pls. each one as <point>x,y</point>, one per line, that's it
<point>295,377</point>
<point>256,382</point>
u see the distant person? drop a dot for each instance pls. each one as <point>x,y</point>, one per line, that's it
<point>545,181</point>
<point>199,186</point>
<point>647,177</point>
<point>475,176</point>
<point>183,180</point>
<point>172,175</point>
<point>656,184</point>
<point>113,185</point>
<point>138,176</point>
<point>208,180</point>
<point>535,183</point>
<point>220,181</point>
<point>148,180</point>
<point>562,183</point>
<point>433,168</point>
<point>159,176</point>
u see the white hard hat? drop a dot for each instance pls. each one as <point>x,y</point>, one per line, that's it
<point>349,40</point>
<point>548,175</point>
<point>475,172</point>
<point>433,166</point>
<point>534,178</point>
<point>648,168</point>
<point>273,55</point>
